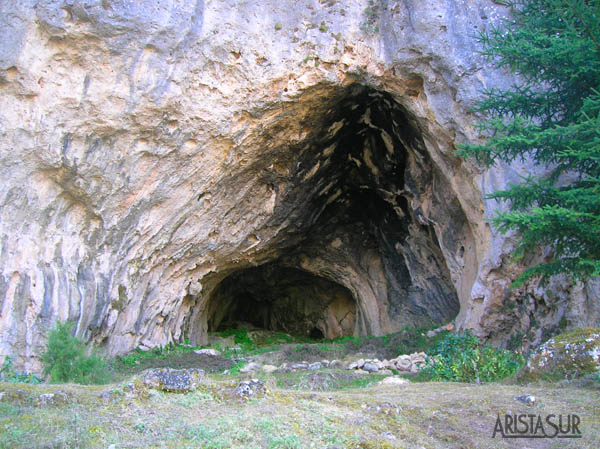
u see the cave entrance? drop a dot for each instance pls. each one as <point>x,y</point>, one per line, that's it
<point>363,233</point>
<point>282,299</point>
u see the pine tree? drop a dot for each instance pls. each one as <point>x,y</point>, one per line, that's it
<point>552,117</point>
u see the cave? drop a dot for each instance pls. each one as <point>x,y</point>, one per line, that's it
<point>283,299</point>
<point>367,228</point>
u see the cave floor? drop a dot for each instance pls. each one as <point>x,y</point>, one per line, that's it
<point>324,408</point>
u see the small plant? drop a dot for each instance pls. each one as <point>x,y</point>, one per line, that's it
<point>323,28</point>
<point>278,26</point>
<point>460,358</point>
<point>240,337</point>
<point>371,17</point>
<point>65,358</point>
<point>8,374</point>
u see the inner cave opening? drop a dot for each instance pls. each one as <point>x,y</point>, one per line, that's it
<point>282,299</point>
<point>368,229</point>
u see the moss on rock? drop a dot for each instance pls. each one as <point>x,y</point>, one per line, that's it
<point>571,354</point>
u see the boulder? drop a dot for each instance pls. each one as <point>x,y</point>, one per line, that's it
<point>172,380</point>
<point>568,355</point>
<point>52,399</point>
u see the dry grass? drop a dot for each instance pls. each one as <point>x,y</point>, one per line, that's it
<point>428,415</point>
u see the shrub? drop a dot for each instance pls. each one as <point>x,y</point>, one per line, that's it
<point>8,374</point>
<point>461,358</point>
<point>65,359</point>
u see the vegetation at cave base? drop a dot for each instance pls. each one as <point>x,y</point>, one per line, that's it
<point>460,358</point>
<point>65,358</point>
<point>551,117</point>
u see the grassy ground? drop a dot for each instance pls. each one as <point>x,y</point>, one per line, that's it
<point>327,408</point>
<point>416,415</point>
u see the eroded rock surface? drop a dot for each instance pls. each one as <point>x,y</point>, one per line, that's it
<point>152,152</point>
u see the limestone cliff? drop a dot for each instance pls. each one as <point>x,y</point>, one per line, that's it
<point>166,162</point>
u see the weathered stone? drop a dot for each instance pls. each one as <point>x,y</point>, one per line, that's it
<point>209,352</point>
<point>52,399</point>
<point>526,399</point>
<point>403,364</point>
<point>371,367</point>
<point>269,368</point>
<point>336,364</point>
<point>172,380</point>
<point>250,367</point>
<point>251,388</point>
<point>570,355</point>
<point>299,366</point>
<point>315,366</point>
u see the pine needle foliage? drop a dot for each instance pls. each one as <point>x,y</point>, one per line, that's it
<point>551,117</point>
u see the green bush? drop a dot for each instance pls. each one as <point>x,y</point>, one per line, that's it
<point>8,374</point>
<point>460,358</point>
<point>65,359</point>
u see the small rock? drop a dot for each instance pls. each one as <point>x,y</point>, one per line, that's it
<point>210,352</point>
<point>299,366</point>
<point>371,367</point>
<point>403,365</point>
<point>361,371</point>
<point>449,327</point>
<point>314,366</point>
<point>106,395</point>
<point>360,363</point>
<point>251,388</point>
<point>353,365</point>
<point>394,381</point>
<point>526,399</point>
<point>252,366</point>
<point>325,362</point>
<point>386,372</point>
<point>269,368</point>
<point>432,333</point>
<point>335,364</point>
<point>414,369</point>
<point>389,436</point>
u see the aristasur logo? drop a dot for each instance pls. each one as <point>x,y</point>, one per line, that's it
<point>537,426</point>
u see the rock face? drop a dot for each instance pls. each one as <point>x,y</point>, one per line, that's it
<point>163,162</point>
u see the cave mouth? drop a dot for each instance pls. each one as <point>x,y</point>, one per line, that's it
<point>284,299</point>
<point>362,213</point>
